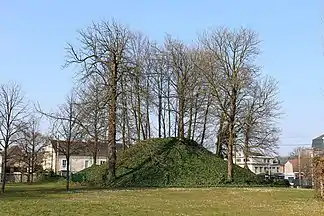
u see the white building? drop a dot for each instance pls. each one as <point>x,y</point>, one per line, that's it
<point>81,156</point>
<point>258,163</point>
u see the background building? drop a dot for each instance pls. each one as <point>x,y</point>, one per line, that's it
<point>259,163</point>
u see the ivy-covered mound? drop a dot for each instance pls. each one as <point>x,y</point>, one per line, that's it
<point>165,163</point>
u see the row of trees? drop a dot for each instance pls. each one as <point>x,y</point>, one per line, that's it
<point>132,88</point>
<point>19,125</point>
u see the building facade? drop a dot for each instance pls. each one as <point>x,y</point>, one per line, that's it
<point>258,163</point>
<point>81,156</point>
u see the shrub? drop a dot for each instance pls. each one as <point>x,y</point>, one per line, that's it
<point>48,176</point>
<point>280,183</point>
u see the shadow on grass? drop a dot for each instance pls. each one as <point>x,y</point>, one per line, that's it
<point>58,191</point>
<point>41,191</point>
<point>55,191</point>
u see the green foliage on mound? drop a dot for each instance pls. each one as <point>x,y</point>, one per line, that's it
<point>166,163</point>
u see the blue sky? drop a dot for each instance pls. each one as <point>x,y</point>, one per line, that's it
<point>34,34</point>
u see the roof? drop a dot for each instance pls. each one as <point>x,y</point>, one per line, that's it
<point>82,148</point>
<point>318,142</point>
<point>14,155</point>
<point>255,154</point>
<point>294,163</point>
<point>283,160</point>
<point>319,137</point>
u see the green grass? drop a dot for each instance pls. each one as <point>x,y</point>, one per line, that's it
<point>167,162</point>
<point>51,199</point>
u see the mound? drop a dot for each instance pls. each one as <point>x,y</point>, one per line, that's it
<point>167,162</point>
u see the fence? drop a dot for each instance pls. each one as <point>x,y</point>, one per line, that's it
<point>18,177</point>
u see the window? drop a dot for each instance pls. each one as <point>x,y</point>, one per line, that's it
<point>273,167</point>
<point>102,162</point>
<point>265,160</point>
<point>255,169</point>
<point>86,164</point>
<point>64,163</point>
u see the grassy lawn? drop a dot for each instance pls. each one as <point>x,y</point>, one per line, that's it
<point>51,199</point>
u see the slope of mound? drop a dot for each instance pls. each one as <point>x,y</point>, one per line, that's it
<point>167,162</point>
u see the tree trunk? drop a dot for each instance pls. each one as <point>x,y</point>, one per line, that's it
<point>190,123</point>
<point>124,114</point>
<point>95,150</point>
<point>148,127</point>
<point>232,133</point>
<point>138,129</point>
<point>124,134</point>
<point>28,174</point>
<point>220,137</point>
<point>175,124</point>
<point>195,118</point>
<point>143,131</point>
<point>205,121</point>
<point>112,106</point>
<point>246,147</point>
<point>181,118</point>
<point>169,108</point>
<point>139,110</point>
<point>128,130</point>
<point>164,122</point>
<point>160,114</point>
<point>4,167</point>
<point>138,132</point>
<point>148,124</point>
<point>230,151</point>
<point>33,162</point>
<point>31,172</point>
<point>68,171</point>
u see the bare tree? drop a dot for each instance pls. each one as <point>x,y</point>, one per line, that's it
<point>181,78</point>
<point>104,52</point>
<point>67,131</point>
<point>232,56</point>
<point>12,112</point>
<point>92,108</point>
<point>32,144</point>
<point>260,110</point>
<point>139,55</point>
<point>160,90</point>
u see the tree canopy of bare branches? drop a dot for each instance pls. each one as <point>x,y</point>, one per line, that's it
<point>13,110</point>
<point>32,143</point>
<point>213,92</point>
<point>231,68</point>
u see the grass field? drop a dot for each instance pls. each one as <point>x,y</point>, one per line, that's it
<point>51,199</point>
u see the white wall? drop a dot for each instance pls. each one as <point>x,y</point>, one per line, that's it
<point>78,163</point>
<point>289,172</point>
<point>264,168</point>
<point>49,160</point>
<point>262,163</point>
